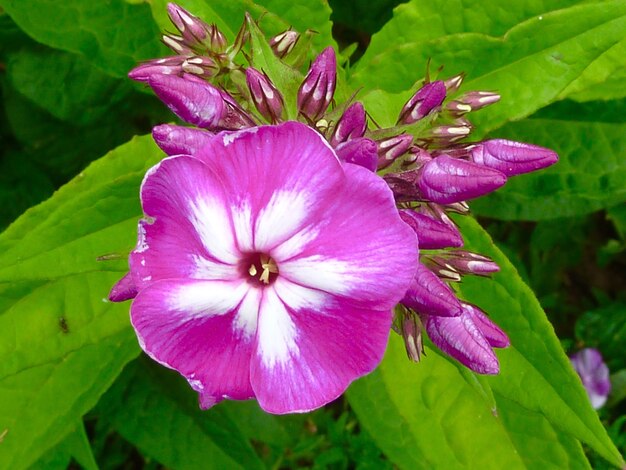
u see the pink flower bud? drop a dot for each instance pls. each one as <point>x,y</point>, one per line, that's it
<point>360,152</point>
<point>492,332</point>
<point>266,98</point>
<point>217,40</point>
<point>192,28</point>
<point>411,330</point>
<point>283,43</point>
<point>124,289</point>
<point>177,44</point>
<point>454,83</point>
<point>166,66</point>
<point>204,67</point>
<point>193,100</point>
<point>425,100</point>
<point>432,234</point>
<point>390,148</point>
<point>429,295</point>
<point>178,140</point>
<point>446,180</point>
<point>466,262</point>
<point>318,87</point>
<point>512,158</point>
<point>351,125</point>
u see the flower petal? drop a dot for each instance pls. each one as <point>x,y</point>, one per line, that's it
<point>195,328</point>
<point>308,352</point>
<point>359,247</point>
<point>188,233</point>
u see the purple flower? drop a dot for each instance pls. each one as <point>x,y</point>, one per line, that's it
<point>512,158</point>
<point>318,88</point>
<point>265,268</point>
<point>594,374</point>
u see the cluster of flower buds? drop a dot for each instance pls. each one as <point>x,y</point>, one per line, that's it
<point>424,159</point>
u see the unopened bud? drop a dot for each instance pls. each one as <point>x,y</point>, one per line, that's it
<point>429,295</point>
<point>266,98</point>
<point>360,151</point>
<point>451,133</point>
<point>235,116</point>
<point>447,180</point>
<point>418,156</point>
<point>425,100</point>
<point>492,332</point>
<point>351,125</point>
<point>177,44</point>
<point>318,88</point>
<point>217,40</point>
<point>411,330</point>
<point>179,140</point>
<point>283,43</point>
<point>466,262</point>
<point>512,158</point>
<point>391,148</point>
<point>204,67</point>
<point>192,28</point>
<point>124,289</point>
<point>454,83</point>
<point>472,101</point>
<point>191,99</point>
<point>166,66</point>
<point>432,234</point>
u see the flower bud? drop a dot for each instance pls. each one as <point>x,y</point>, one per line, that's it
<point>472,101</point>
<point>124,289</point>
<point>460,338</point>
<point>192,28</point>
<point>466,262</point>
<point>427,98</point>
<point>492,332</point>
<point>178,140</point>
<point>411,330</point>
<point>594,374</point>
<point>403,185</point>
<point>450,133</point>
<point>193,100</point>
<point>391,148</point>
<point>454,83</point>
<point>429,295</point>
<point>351,125</point>
<point>283,43</point>
<point>166,66</point>
<point>360,152</point>
<point>318,87</point>
<point>235,116</point>
<point>177,44</point>
<point>217,40</point>
<point>431,233</point>
<point>512,158</point>
<point>204,67</point>
<point>417,156</point>
<point>446,180</point>
<point>266,98</point>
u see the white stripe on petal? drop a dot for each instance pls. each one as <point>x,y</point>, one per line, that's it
<point>294,245</point>
<point>327,274</point>
<point>283,215</point>
<point>207,298</point>
<point>277,334</point>
<point>297,297</point>
<point>242,221</point>
<point>212,223</point>
<point>247,316</point>
<point>210,270</point>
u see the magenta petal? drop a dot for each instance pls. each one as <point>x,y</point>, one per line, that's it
<point>307,355</point>
<point>194,101</point>
<point>178,140</point>
<point>429,295</point>
<point>446,180</point>
<point>359,151</point>
<point>460,338</point>
<point>432,234</point>
<point>194,328</point>
<point>124,289</point>
<point>492,332</point>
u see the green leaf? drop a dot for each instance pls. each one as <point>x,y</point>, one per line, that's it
<point>529,59</point>
<point>157,411</point>
<point>61,341</point>
<point>114,35</point>
<point>436,415</point>
<point>589,175</point>
<point>604,328</point>
<point>66,85</point>
<point>77,443</point>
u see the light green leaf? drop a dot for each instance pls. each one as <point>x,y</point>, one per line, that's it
<point>529,64</point>
<point>589,175</point>
<point>155,409</point>
<point>435,415</point>
<point>77,444</point>
<point>114,35</point>
<point>61,341</point>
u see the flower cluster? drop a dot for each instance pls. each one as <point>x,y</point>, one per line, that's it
<point>282,230</point>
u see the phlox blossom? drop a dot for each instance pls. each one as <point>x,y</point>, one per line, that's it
<point>266,268</point>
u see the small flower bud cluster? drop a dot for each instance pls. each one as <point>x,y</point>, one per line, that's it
<point>424,159</point>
